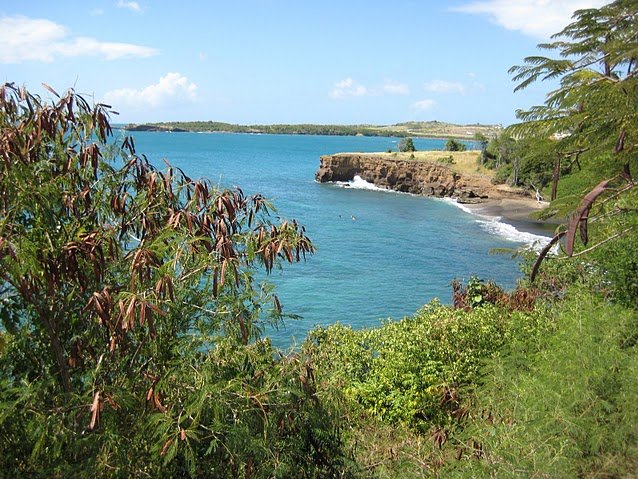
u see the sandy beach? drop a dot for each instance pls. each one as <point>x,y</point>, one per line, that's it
<point>514,209</point>
<point>517,212</point>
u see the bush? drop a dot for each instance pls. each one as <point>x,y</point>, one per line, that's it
<point>454,145</point>
<point>446,160</point>
<point>619,263</point>
<point>502,175</point>
<point>132,314</point>
<point>406,145</point>
<point>413,371</point>
<point>562,405</point>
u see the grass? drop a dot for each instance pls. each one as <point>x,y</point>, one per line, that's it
<point>437,129</point>
<point>463,162</point>
<point>565,407</point>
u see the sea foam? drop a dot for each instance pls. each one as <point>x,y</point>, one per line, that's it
<point>359,183</point>
<point>494,225</point>
<point>490,224</point>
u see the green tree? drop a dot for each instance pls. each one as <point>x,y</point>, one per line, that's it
<point>132,314</point>
<point>592,114</point>
<point>406,145</point>
<point>483,142</point>
<point>454,145</point>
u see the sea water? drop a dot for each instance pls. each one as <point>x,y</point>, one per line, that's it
<point>379,254</point>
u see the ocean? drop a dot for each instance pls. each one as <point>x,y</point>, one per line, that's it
<point>379,254</point>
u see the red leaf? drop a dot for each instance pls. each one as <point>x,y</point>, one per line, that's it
<point>95,410</point>
<point>542,254</point>
<point>582,214</point>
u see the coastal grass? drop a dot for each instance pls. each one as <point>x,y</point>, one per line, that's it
<point>563,405</point>
<point>463,162</point>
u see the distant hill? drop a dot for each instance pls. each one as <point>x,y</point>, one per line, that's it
<point>428,129</point>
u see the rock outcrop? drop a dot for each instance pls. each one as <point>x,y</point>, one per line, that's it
<point>410,176</point>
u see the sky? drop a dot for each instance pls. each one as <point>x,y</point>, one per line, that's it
<point>284,61</point>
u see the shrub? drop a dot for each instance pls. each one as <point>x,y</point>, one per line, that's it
<point>562,405</point>
<point>502,174</point>
<point>446,160</point>
<point>454,145</point>
<point>413,371</point>
<point>132,314</point>
<point>406,145</point>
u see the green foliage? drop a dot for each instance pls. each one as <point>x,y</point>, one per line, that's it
<point>502,175</point>
<point>618,261</point>
<point>562,405</point>
<point>232,412</point>
<point>454,145</point>
<point>591,115</point>
<point>446,160</point>
<point>523,162</point>
<point>411,371</point>
<point>132,314</point>
<point>406,145</point>
<point>301,129</point>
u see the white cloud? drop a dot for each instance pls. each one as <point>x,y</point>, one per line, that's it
<point>442,86</point>
<point>423,105</point>
<point>395,88</point>
<point>134,6</point>
<point>348,87</point>
<point>537,18</point>
<point>172,88</point>
<point>41,40</point>
<point>96,12</point>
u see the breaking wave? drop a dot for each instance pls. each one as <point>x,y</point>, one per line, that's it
<point>494,225</point>
<point>491,224</point>
<point>359,183</point>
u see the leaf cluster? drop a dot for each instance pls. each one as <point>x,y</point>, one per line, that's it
<point>414,371</point>
<point>132,314</point>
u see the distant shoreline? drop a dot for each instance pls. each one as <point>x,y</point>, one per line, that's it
<point>430,129</point>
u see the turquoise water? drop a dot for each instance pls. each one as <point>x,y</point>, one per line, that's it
<point>398,253</point>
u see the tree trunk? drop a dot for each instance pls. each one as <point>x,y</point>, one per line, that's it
<point>57,350</point>
<point>555,177</point>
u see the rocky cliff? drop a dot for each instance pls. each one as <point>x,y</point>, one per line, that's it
<point>411,176</point>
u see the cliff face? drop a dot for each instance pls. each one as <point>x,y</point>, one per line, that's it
<point>422,178</point>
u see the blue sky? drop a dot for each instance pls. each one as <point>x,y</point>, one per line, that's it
<point>278,61</point>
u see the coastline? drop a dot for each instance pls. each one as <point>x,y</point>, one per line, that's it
<point>514,211</point>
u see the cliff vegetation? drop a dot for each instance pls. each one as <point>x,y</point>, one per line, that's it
<point>454,174</point>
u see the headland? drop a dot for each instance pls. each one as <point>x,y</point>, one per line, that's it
<point>439,174</point>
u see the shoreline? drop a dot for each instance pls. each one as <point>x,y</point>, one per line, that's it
<point>468,185</point>
<point>514,211</point>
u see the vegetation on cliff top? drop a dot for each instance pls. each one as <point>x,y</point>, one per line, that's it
<point>464,162</point>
